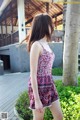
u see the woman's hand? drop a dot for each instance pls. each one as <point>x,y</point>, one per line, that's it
<point>38,105</point>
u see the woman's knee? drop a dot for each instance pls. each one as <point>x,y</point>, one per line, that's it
<point>60,116</point>
<point>37,115</point>
<point>37,119</point>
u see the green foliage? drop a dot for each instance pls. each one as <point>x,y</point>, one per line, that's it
<point>69,100</point>
<point>57,71</point>
<point>22,104</point>
<point>48,115</point>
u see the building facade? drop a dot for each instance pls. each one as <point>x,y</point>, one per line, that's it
<point>15,22</point>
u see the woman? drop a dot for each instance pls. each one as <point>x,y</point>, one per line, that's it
<point>41,89</point>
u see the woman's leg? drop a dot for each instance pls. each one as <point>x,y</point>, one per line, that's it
<point>56,110</point>
<point>38,115</point>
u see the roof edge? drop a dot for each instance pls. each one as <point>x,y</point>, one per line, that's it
<point>4,5</point>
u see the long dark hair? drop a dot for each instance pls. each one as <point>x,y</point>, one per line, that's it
<point>40,28</point>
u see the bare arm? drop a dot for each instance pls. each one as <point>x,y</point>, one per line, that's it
<point>34,55</point>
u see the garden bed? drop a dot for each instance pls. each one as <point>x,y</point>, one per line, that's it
<point>69,100</point>
<point>17,114</point>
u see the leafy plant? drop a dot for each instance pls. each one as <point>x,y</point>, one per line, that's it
<point>57,71</point>
<point>22,104</point>
<point>70,100</point>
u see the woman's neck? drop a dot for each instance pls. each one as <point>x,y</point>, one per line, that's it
<point>44,39</point>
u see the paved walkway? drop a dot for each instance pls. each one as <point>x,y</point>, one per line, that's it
<point>11,85</point>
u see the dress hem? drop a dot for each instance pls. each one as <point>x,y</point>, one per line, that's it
<point>44,106</point>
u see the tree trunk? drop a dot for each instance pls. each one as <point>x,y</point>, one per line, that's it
<point>71,38</point>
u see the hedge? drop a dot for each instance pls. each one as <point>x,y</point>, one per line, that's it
<point>69,100</point>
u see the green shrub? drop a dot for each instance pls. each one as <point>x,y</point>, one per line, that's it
<point>57,71</point>
<point>48,115</point>
<point>22,104</point>
<point>69,99</point>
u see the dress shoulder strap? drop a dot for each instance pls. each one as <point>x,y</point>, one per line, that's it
<point>41,45</point>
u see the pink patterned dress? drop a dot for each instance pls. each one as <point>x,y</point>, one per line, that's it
<point>46,87</point>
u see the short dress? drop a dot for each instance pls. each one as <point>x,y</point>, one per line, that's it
<point>46,87</point>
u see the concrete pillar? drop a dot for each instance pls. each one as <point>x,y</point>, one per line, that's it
<point>21,19</point>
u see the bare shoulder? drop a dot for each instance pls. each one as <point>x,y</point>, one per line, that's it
<point>36,43</point>
<point>35,47</point>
